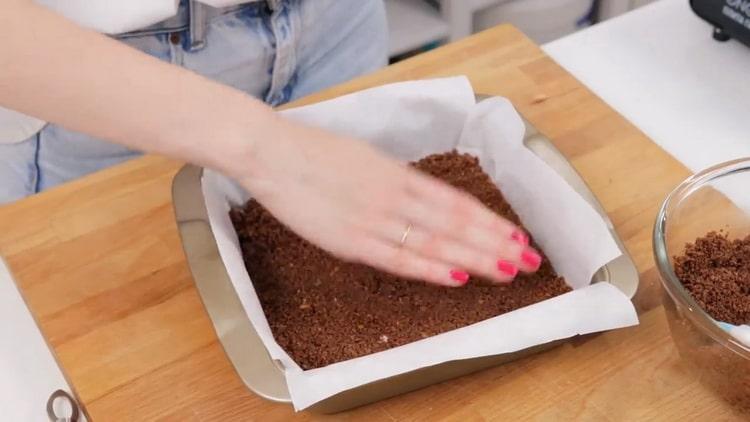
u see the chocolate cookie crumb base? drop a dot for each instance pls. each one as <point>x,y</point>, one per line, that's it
<point>716,272</point>
<point>322,310</point>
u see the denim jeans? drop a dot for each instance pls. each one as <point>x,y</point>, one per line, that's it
<point>302,47</point>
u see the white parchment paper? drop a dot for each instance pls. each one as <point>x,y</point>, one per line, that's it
<point>411,120</point>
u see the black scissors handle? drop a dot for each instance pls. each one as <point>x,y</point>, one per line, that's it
<point>60,394</point>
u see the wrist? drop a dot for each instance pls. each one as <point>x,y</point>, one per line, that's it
<point>244,140</point>
<point>258,150</point>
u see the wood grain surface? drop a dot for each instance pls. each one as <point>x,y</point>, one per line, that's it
<point>100,265</point>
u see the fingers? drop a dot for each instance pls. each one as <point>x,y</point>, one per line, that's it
<point>435,193</point>
<point>487,265</point>
<point>452,235</point>
<point>460,223</point>
<point>453,253</point>
<point>405,263</point>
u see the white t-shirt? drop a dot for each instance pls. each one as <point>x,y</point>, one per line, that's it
<point>105,16</point>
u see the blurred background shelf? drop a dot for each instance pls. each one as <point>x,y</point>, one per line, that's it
<point>418,25</point>
<point>413,25</point>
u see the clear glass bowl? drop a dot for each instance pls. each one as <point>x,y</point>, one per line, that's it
<point>715,199</point>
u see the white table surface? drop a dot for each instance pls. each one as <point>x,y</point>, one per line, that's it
<point>28,372</point>
<point>659,67</point>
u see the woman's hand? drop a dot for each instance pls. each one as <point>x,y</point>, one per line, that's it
<point>346,197</point>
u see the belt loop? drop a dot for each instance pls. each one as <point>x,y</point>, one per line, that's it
<point>198,25</point>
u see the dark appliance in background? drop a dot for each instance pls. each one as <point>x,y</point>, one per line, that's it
<point>730,18</point>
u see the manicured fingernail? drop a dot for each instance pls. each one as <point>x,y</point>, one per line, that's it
<point>507,268</point>
<point>531,258</point>
<point>460,276</point>
<point>520,237</point>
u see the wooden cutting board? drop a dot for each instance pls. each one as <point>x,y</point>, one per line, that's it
<point>100,264</point>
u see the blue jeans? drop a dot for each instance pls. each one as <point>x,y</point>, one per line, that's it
<point>305,46</point>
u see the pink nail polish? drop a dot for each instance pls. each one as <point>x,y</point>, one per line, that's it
<point>461,276</point>
<point>531,258</point>
<point>507,268</point>
<point>520,237</point>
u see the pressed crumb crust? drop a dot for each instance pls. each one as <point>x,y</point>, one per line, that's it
<point>322,310</point>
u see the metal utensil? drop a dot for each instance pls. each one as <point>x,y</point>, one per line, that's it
<point>75,413</point>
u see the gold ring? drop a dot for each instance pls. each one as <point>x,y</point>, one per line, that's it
<point>405,235</point>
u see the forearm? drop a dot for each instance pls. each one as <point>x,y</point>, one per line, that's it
<point>52,69</point>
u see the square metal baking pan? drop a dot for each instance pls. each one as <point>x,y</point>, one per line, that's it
<point>250,358</point>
